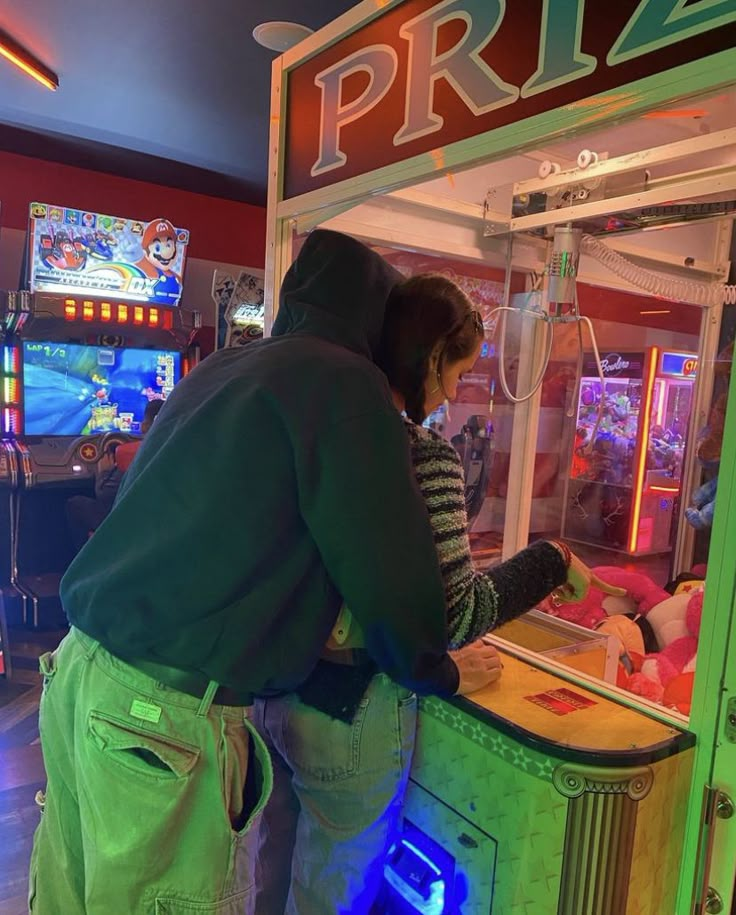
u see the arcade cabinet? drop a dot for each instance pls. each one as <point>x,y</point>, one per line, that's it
<point>474,445</point>
<point>239,308</point>
<point>628,451</point>
<point>86,345</point>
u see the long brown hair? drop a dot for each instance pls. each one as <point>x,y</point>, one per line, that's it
<point>421,312</point>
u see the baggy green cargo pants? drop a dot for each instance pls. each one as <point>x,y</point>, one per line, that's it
<point>145,809</point>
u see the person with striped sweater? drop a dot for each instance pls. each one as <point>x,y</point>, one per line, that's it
<point>342,744</point>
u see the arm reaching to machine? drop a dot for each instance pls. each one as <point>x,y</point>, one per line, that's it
<point>478,602</point>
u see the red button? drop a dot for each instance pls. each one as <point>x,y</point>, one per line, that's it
<point>88,452</point>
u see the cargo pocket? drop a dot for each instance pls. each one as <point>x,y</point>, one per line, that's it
<point>258,783</point>
<point>233,905</point>
<point>143,752</point>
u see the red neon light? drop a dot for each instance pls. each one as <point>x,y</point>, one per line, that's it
<point>105,311</point>
<point>153,317</point>
<point>88,310</point>
<point>70,309</point>
<point>168,321</point>
<point>12,360</point>
<point>645,415</point>
<point>11,420</point>
<point>122,314</point>
<point>137,314</point>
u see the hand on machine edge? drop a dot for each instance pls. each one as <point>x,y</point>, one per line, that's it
<point>579,580</point>
<point>478,665</point>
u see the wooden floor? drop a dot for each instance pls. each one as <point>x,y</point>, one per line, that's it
<point>21,765</point>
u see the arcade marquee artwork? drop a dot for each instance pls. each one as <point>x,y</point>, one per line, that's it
<point>74,250</point>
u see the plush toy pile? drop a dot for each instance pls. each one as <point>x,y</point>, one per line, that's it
<point>657,631</point>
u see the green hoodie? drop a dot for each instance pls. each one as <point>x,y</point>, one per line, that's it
<point>275,482</point>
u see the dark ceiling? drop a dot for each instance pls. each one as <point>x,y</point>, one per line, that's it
<point>172,92</point>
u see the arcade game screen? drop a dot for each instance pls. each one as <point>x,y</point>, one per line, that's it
<point>72,389</point>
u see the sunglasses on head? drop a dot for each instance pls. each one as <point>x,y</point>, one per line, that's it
<point>477,319</point>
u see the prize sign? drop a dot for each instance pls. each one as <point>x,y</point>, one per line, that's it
<point>424,74</point>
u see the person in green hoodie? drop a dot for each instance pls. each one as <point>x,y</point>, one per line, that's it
<point>189,600</point>
<point>341,744</point>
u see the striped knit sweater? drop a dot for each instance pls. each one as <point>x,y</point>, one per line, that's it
<point>477,601</point>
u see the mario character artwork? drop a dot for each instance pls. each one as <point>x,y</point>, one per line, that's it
<point>62,252</point>
<point>159,245</point>
<point>100,245</point>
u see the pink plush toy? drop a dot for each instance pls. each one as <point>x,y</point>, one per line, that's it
<point>667,676</point>
<point>641,592</point>
<point>669,620</point>
<point>682,651</point>
<point>587,613</point>
<point>640,685</point>
<point>641,595</point>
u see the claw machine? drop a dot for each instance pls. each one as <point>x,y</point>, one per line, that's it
<point>586,159</point>
<point>628,451</point>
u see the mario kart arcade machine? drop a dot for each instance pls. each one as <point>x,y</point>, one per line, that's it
<point>627,463</point>
<point>555,791</point>
<point>95,336</point>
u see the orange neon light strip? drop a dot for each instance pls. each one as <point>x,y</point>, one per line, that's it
<point>26,62</point>
<point>664,489</point>
<point>676,113</point>
<point>645,416</point>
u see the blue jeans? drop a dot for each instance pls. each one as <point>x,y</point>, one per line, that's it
<point>337,796</point>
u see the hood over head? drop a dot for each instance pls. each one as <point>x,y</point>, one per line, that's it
<point>336,289</point>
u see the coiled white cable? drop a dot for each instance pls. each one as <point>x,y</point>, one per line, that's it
<point>513,398</point>
<point>537,383</point>
<point>679,290</point>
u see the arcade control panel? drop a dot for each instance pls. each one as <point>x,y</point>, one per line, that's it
<point>54,460</point>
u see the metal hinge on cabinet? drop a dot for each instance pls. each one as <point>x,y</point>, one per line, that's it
<point>716,804</point>
<point>730,726</point>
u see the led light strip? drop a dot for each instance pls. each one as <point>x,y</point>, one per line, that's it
<point>25,61</point>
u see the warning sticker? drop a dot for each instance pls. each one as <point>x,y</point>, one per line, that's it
<point>561,701</point>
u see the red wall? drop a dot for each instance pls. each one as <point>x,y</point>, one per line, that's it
<point>221,230</point>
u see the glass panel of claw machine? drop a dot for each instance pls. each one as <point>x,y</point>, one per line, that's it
<point>627,442</point>
<point>479,420</point>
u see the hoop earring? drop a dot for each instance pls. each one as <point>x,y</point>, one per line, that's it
<point>438,386</point>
